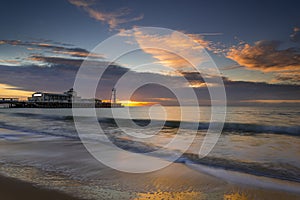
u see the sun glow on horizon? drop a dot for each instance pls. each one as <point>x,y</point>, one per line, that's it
<point>130,103</point>
<point>135,103</point>
<point>9,91</point>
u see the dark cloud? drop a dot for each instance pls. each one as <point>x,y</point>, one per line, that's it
<point>202,78</point>
<point>36,78</point>
<point>239,92</point>
<point>231,67</point>
<point>57,60</point>
<point>288,77</point>
<point>245,92</point>
<point>53,48</point>
<point>43,40</point>
<point>61,74</point>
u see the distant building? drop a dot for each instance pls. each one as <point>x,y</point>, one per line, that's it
<point>66,97</point>
<point>66,100</point>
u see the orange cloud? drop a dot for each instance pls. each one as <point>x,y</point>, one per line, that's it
<point>81,3</point>
<point>174,42</point>
<point>202,85</point>
<point>10,62</point>
<point>113,18</point>
<point>80,54</point>
<point>266,56</point>
<point>180,53</point>
<point>7,91</point>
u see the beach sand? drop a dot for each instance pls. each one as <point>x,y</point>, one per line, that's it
<point>174,182</point>
<point>87,178</point>
<point>97,181</point>
<point>13,189</point>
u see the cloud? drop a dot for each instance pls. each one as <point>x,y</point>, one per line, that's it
<point>247,93</point>
<point>214,47</point>
<point>52,48</point>
<point>56,60</point>
<point>115,18</point>
<point>112,18</point>
<point>231,67</point>
<point>197,80</point>
<point>61,75</point>
<point>57,78</point>
<point>82,3</point>
<point>10,62</point>
<point>73,63</point>
<point>287,77</point>
<point>295,36</point>
<point>35,78</point>
<point>266,56</point>
<point>237,92</point>
<point>79,54</point>
<point>166,45</point>
<point>211,34</point>
<point>272,101</point>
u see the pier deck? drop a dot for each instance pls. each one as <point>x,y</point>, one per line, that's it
<point>15,103</point>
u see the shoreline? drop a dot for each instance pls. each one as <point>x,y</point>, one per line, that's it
<point>43,163</point>
<point>176,181</point>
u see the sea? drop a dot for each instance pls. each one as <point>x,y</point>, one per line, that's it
<point>258,145</point>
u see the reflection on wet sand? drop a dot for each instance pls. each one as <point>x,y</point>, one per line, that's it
<point>235,196</point>
<point>169,195</point>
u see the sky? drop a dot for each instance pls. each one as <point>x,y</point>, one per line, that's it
<point>255,45</point>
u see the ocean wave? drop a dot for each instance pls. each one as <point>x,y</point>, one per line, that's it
<point>34,131</point>
<point>276,170</point>
<point>282,171</point>
<point>244,128</point>
<point>228,127</point>
<point>233,128</point>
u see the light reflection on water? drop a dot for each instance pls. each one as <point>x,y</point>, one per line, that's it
<point>277,150</point>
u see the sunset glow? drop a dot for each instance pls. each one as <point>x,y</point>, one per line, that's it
<point>135,103</point>
<point>264,60</point>
<point>7,91</point>
<point>149,100</point>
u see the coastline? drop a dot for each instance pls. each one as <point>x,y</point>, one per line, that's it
<point>176,181</point>
<point>40,150</point>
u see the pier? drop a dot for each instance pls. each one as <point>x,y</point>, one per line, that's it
<point>15,103</point>
<point>10,102</point>
<point>52,100</point>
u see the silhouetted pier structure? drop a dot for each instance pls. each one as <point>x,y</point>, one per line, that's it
<point>52,100</point>
<point>14,103</point>
<point>8,100</point>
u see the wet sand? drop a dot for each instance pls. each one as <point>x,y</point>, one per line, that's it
<point>89,179</point>
<point>174,182</point>
<point>13,189</point>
